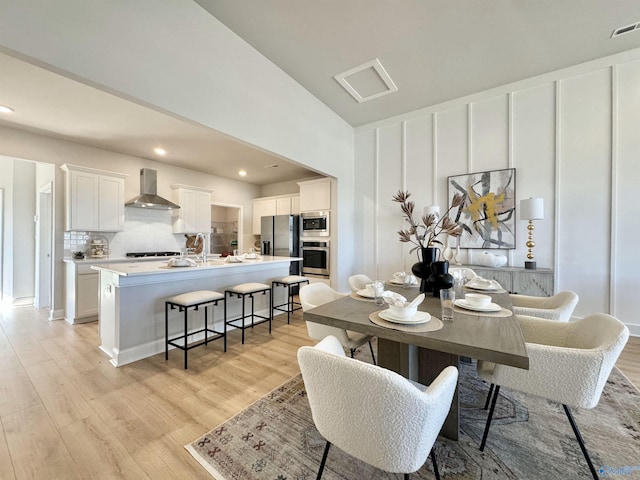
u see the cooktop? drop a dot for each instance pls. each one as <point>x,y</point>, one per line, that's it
<point>153,254</point>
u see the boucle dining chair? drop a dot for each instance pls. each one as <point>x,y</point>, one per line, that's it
<point>317,294</point>
<point>359,282</point>
<point>558,307</point>
<point>462,272</point>
<point>372,413</point>
<point>569,363</point>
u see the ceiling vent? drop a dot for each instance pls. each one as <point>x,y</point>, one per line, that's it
<point>628,29</point>
<point>367,81</point>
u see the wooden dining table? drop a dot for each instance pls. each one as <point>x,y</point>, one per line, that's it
<point>422,356</point>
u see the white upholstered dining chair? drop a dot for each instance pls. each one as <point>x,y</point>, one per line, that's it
<point>465,273</point>
<point>557,307</point>
<point>317,294</point>
<point>372,413</point>
<point>569,363</point>
<point>359,282</point>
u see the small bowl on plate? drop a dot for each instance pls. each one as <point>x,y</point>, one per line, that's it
<point>477,299</point>
<point>403,313</point>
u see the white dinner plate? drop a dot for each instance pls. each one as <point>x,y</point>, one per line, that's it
<point>394,282</point>
<point>492,307</point>
<point>419,317</point>
<point>484,289</point>
<point>365,294</point>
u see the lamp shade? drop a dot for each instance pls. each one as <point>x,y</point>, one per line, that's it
<point>432,209</point>
<point>532,209</point>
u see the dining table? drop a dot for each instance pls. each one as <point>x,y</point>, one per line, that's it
<point>420,352</point>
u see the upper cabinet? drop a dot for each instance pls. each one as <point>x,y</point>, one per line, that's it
<point>269,206</point>
<point>94,199</point>
<point>194,214</point>
<point>315,195</point>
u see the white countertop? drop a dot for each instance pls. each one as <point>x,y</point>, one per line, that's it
<point>157,267</point>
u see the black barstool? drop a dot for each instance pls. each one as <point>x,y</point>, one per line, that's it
<point>183,303</point>
<point>289,282</point>
<point>242,291</point>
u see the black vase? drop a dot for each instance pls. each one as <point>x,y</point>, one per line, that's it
<point>422,269</point>
<point>440,277</point>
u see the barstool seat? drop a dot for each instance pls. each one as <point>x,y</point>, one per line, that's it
<point>241,291</point>
<point>183,302</point>
<point>290,281</point>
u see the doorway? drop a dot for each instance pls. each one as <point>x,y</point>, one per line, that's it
<point>226,228</point>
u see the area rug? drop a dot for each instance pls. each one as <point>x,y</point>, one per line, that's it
<point>530,438</point>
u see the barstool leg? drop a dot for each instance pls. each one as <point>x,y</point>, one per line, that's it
<point>205,324</point>
<point>166,331</point>
<point>271,311</point>
<point>242,318</point>
<point>289,303</point>
<point>225,324</point>
<point>185,337</point>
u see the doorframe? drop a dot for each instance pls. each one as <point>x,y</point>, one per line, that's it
<point>1,246</point>
<point>239,220</point>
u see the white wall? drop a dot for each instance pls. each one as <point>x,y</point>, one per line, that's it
<point>572,137</point>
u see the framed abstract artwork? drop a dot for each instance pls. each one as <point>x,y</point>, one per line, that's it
<point>488,212</point>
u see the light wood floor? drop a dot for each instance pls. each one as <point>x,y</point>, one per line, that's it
<point>67,413</point>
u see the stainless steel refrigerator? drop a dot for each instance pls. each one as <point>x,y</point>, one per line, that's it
<point>280,236</point>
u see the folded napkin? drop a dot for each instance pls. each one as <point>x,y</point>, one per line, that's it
<point>234,259</point>
<point>393,298</point>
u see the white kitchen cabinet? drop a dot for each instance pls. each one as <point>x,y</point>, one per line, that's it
<point>262,207</point>
<point>283,206</point>
<point>315,195</point>
<point>194,214</point>
<point>94,199</point>
<point>81,293</point>
<point>295,205</point>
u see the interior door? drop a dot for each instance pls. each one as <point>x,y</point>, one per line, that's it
<point>43,249</point>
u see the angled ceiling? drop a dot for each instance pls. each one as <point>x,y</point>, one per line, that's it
<point>433,51</point>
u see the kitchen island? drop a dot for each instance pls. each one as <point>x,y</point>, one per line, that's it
<point>132,296</point>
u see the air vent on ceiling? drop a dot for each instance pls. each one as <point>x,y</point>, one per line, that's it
<point>628,29</point>
<point>273,165</point>
<point>367,81</point>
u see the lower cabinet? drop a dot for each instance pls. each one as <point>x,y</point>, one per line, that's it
<point>537,283</point>
<point>81,293</point>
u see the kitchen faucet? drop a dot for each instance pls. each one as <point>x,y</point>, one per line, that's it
<point>202,238</point>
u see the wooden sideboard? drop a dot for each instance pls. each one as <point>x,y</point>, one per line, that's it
<point>539,282</point>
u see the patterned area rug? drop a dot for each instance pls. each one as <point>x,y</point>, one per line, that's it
<point>530,438</point>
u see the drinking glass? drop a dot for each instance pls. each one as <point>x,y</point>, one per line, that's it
<point>447,298</point>
<point>379,289</point>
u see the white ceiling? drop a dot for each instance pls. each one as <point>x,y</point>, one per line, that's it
<point>434,51</point>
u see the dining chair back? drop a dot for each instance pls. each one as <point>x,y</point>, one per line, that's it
<point>557,307</point>
<point>359,282</point>
<point>316,294</point>
<point>372,413</point>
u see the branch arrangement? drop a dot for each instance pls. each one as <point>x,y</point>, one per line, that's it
<point>426,233</point>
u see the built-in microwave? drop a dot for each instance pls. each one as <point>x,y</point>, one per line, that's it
<point>315,224</point>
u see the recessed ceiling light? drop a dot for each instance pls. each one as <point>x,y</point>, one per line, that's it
<point>5,109</point>
<point>242,173</point>
<point>160,151</point>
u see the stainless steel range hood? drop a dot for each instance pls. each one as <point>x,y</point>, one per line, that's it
<point>148,197</point>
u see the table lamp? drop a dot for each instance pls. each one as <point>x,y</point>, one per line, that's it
<point>531,209</point>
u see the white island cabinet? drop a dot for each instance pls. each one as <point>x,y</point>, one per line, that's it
<point>133,295</point>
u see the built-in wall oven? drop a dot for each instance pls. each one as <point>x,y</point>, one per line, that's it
<point>315,224</point>
<point>315,258</point>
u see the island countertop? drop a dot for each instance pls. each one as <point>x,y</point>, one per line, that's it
<point>162,270</point>
<point>133,299</point>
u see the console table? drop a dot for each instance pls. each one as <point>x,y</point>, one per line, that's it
<point>538,283</point>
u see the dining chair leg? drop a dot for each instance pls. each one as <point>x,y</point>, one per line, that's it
<point>435,464</point>
<point>352,352</point>
<point>406,476</point>
<point>486,404</point>
<point>324,459</point>
<point>488,425</point>
<point>372,355</point>
<point>576,432</point>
